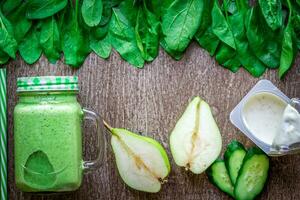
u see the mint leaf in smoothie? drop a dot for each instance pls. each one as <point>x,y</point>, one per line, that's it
<point>38,170</point>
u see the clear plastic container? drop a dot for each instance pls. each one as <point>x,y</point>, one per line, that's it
<point>236,118</point>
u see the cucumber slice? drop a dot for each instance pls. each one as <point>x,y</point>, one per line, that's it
<point>252,175</point>
<point>233,158</point>
<point>218,175</point>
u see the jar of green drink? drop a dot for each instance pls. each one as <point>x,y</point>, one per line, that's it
<point>48,135</point>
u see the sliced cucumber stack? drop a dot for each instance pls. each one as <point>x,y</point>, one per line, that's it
<point>234,156</point>
<point>218,175</point>
<point>252,175</point>
<point>243,174</point>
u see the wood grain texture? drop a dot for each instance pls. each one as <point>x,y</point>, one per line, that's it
<point>150,101</point>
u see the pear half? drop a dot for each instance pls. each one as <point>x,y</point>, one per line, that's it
<point>196,141</point>
<point>142,162</point>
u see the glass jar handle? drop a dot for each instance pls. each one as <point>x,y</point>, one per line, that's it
<point>100,141</point>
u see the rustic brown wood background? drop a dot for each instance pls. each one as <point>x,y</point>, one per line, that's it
<point>150,100</point>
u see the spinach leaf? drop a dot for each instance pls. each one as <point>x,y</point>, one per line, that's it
<point>9,5</point>
<point>205,36</point>
<point>157,7</point>
<point>21,24</point>
<point>246,56</point>
<point>232,59</point>
<point>38,9</point>
<point>165,4</point>
<point>265,43</point>
<point>92,12</point>
<point>75,43</point>
<point>244,53</point>
<point>3,57</point>
<point>175,54</point>
<point>180,23</point>
<point>123,37</point>
<point>29,48</point>
<point>8,44</point>
<point>288,51</point>
<point>50,39</point>
<point>231,6</point>
<point>220,26</point>
<point>100,41</point>
<point>232,64</point>
<point>208,41</point>
<point>227,57</point>
<point>106,12</point>
<point>99,32</point>
<point>271,10</point>
<point>147,33</point>
<point>296,26</point>
<point>102,47</point>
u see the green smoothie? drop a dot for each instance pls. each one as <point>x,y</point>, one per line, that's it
<point>48,142</point>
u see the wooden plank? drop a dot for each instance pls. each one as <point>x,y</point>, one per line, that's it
<point>149,101</point>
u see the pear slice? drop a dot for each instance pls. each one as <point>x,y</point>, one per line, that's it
<point>196,141</point>
<point>142,162</point>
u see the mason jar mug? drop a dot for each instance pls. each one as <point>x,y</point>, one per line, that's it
<point>48,135</point>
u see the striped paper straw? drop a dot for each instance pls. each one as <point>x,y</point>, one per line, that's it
<point>3,136</point>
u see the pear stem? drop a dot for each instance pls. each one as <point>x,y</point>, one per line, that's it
<point>107,125</point>
<point>187,167</point>
<point>162,181</point>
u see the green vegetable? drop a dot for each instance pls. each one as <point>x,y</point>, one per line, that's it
<point>245,55</point>
<point>9,5</point>
<point>157,6</point>
<point>147,33</point>
<point>289,49</point>
<point>205,36</point>
<point>234,156</point>
<point>265,43</point>
<point>38,9</point>
<point>8,43</point>
<point>263,35</point>
<point>75,44</point>
<point>50,39</point>
<point>227,57</point>
<point>123,36</point>
<point>21,24</point>
<point>177,55</point>
<point>3,57</point>
<point>218,175</point>
<point>271,10</point>
<point>220,26</point>
<point>92,12</point>
<point>231,6</point>
<point>102,47</point>
<point>243,174</point>
<point>252,175</point>
<point>180,23</point>
<point>29,48</point>
<point>296,25</point>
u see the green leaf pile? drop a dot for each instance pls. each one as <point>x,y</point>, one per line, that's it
<point>254,36</point>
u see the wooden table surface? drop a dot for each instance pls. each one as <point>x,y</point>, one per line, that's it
<point>150,101</point>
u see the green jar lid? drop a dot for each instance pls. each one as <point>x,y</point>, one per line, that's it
<point>47,83</point>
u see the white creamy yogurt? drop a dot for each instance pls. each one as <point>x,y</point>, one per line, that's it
<point>289,131</point>
<point>262,114</point>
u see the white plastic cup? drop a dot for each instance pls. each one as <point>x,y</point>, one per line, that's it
<point>236,116</point>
